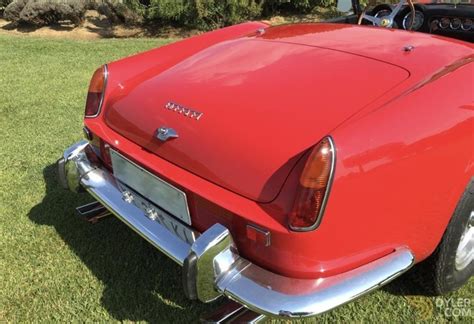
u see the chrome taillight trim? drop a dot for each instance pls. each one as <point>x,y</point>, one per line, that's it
<point>87,133</point>
<point>326,194</point>
<point>106,77</point>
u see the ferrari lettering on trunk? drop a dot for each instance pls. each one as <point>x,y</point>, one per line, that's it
<point>183,110</point>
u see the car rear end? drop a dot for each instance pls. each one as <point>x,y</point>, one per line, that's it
<point>262,251</point>
<point>211,259</point>
<point>227,244</point>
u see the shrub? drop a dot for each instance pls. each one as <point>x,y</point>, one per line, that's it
<point>4,3</point>
<point>203,14</point>
<point>296,6</point>
<point>45,12</point>
<point>216,13</point>
<point>209,14</point>
<point>128,12</point>
<point>13,10</point>
<point>168,11</point>
<point>200,14</point>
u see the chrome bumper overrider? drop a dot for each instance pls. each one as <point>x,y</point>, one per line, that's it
<point>211,264</point>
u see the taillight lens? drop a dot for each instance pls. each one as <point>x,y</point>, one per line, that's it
<point>95,95</point>
<point>313,187</point>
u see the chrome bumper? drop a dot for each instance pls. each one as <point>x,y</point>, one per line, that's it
<point>211,264</point>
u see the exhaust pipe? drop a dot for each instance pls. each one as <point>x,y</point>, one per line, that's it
<point>92,212</point>
<point>232,312</point>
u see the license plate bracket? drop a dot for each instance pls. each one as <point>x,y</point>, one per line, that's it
<point>148,185</point>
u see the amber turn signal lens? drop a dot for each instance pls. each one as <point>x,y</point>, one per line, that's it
<point>95,95</point>
<point>313,187</point>
<point>316,172</point>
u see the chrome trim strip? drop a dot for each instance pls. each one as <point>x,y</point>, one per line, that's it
<point>274,295</point>
<point>106,77</point>
<point>218,264</point>
<point>102,186</point>
<point>78,170</point>
<point>87,133</point>
<point>215,241</point>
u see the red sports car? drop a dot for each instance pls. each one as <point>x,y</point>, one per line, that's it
<point>293,168</point>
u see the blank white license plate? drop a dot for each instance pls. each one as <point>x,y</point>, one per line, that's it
<point>158,191</point>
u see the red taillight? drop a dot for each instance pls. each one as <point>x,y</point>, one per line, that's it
<point>95,95</point>
<point>313,187</point>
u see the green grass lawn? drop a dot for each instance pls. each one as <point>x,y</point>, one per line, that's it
<point>53,266</point>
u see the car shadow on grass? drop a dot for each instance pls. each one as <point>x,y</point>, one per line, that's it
<point>140,284</point>
<point>405,285</point>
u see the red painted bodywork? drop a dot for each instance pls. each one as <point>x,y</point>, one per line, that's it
<point>402,123</point>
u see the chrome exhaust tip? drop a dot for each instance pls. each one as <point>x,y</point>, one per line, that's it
<point>92,212</point>
<point>232,312</point>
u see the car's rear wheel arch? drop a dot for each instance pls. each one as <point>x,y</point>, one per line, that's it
<point>438,274</point>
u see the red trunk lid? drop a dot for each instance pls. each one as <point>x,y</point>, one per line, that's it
<point>263,103</point>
